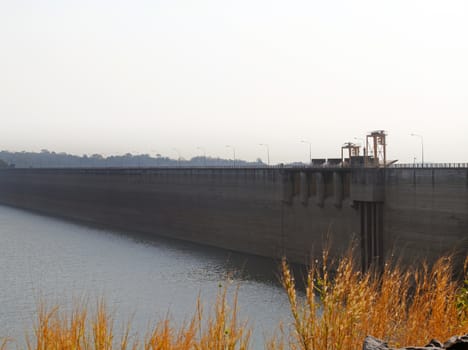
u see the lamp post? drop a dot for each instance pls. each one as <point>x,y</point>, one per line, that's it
<point>363,144</point>
<point>422,148</point>
<point>204,155</point>
<point>138,161</point>
<point>310,149</point>
<point>268,151</point>
<point>359,139</point>
<point>233,152</point>
<point>178,156</point>
<point>155,152</point>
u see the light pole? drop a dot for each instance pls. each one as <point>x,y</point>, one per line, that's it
<point>155,152</point>
<point>233,152</point>
<point>178,156</point>
<point>422,147</point>
<point>138,161</point>
<point>204,155</point>
<point>268,151</point>
<point>359,139</point>
<point>310,149</point>
<point>363,144</point>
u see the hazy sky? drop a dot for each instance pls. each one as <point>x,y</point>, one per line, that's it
<point>102,76</point>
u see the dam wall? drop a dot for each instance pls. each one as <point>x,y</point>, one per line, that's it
<point>256,211</point>
<point>426,212</point>
<point>271,212</point>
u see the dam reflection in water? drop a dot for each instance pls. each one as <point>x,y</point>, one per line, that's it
<point>43,258</point>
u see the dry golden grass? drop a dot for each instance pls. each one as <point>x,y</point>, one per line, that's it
<point>76,330</point>
<point>402,306</point>
<point>3,343</point>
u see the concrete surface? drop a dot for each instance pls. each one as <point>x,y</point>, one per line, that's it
<point>270,212</point>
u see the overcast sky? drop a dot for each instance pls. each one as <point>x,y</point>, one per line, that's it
<point>149,76</point>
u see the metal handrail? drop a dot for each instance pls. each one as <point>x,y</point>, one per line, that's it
<point>249,166</point>
<point>430,165</point>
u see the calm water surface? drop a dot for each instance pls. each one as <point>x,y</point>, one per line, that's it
<point>43,258</point>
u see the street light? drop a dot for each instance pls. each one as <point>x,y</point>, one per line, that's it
<point>363,144</point>
<point>268,152</point>
<point>310,149</point>
<point>422,147</point>
<point>178,156</point>
<point>204,155</point>
<point>359,139</point>
<point>234,153</point>
<point>138,163</point>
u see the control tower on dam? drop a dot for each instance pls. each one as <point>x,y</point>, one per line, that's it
<point>271,211</point>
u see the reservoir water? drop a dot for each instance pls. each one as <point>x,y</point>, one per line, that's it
<point>141,279</point>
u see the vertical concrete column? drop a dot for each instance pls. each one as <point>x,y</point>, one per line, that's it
<point>320,185</point>
<point>287,187</point>
<point>304,188</point>
<point>338,189</point>
<point>366,234</point>
<point>363,234</point>
<point>378,233</point>
<point>371,234</point>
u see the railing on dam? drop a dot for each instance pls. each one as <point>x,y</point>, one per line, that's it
<point>327,166</point>
<point>430,165</point>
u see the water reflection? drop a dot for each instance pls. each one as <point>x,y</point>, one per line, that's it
<point>142,279</point>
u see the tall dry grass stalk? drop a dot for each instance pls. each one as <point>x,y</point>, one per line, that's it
<point>3,343</point>
<point>402,306</point>
<point>76,330</point>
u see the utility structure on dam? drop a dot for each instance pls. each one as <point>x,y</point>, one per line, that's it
<point>405,210</point>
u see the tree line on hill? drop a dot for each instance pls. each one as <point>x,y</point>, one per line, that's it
<point>48,159</point>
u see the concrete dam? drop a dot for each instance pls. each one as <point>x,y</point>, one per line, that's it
<point>272,212</point>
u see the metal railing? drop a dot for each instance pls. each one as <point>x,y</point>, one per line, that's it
<point>430,165</point>
<point>325,165</point>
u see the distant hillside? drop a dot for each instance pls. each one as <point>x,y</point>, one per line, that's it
<point>47,159</point>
